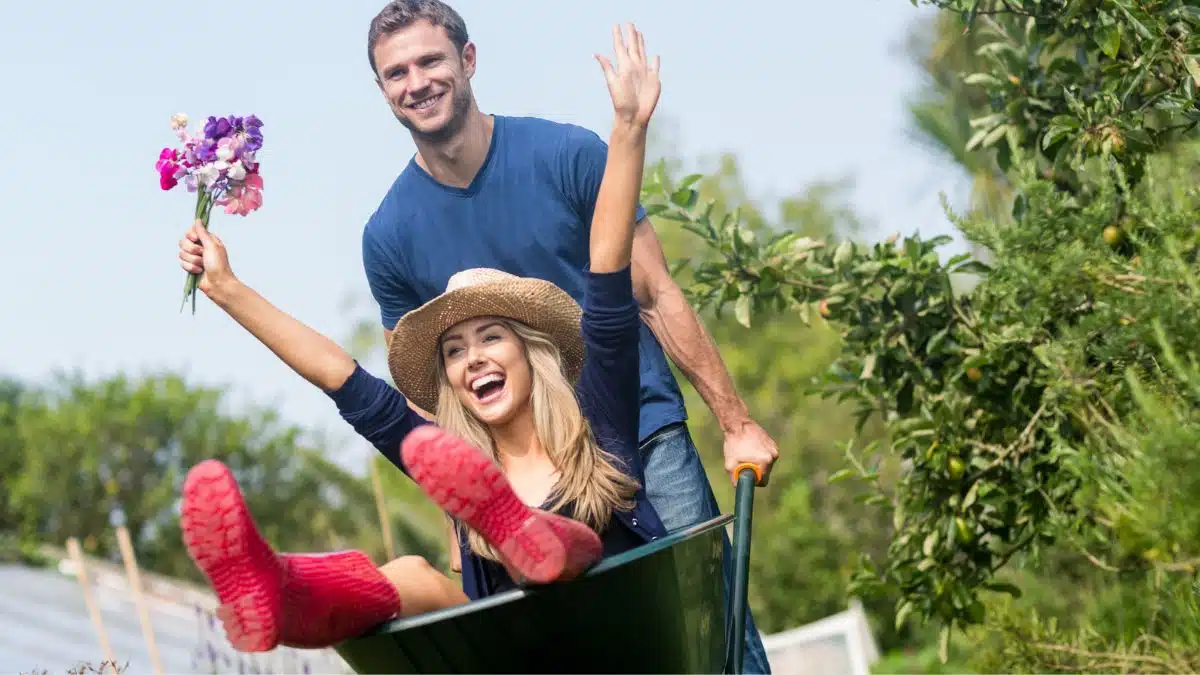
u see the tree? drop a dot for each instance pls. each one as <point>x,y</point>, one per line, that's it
<point>1015,406</point>
<point>942,110</point>
<point>115,451</point>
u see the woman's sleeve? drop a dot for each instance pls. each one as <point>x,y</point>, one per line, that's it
<point>610,384</point>
<point>377,412</point>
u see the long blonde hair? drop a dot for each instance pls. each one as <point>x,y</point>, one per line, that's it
<point>588,477</point>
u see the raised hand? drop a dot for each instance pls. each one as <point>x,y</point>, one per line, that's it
<point>632,80</point>
<point>201,252</point>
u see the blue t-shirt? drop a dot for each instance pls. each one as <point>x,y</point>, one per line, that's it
<point>527,212</point>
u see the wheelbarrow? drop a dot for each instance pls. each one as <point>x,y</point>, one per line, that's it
<point>659,608</point>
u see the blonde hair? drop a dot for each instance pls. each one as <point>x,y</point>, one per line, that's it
<point>588,477</point>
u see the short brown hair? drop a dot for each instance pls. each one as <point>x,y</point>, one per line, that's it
<point>400,14</point>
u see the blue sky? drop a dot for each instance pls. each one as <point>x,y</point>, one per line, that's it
<point>800,91</point>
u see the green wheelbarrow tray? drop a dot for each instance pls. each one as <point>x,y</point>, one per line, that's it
<point>659,608</point>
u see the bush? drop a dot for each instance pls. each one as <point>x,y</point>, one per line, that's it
<point>1044,420</point>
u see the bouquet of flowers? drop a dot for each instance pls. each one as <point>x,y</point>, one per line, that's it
<point>219,165</point>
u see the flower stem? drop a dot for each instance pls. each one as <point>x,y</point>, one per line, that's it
<point>203,209</point>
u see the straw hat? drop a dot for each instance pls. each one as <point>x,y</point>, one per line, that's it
<point>413,355</point>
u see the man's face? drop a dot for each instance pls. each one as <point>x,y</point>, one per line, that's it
<point>425,80</point>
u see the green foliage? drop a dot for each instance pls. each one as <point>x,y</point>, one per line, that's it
<point>1073,80</point>
<point>1033,414</point>
<point>808,532</point>
<point>95,454</point>
<point>941,111</point>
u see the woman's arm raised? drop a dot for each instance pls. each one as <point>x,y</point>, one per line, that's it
<point>315,357</point>
<point>634,87</point>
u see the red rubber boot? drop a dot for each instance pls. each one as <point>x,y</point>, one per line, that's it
<point>266,599</point>
<point>540,546</point>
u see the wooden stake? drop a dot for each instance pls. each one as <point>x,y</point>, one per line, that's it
<point>76,554</point>
<point>135,583</point>
<point>385,521</point>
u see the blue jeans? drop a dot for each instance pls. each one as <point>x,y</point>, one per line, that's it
<point>679,491</point>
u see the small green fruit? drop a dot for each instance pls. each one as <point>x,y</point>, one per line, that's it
<point>1113,235</point>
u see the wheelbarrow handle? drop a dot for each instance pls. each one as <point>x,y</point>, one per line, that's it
<point>748,475</point>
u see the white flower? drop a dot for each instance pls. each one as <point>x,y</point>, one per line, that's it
<point>207,174</point>
<point>236,171</point>
<point>179,121</point>
<point>224,153</point>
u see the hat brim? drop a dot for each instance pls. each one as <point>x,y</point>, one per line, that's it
<point>413,355</point>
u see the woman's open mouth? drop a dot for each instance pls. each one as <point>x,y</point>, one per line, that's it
<point>488,388</point>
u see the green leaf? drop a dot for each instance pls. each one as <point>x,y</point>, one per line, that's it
<point>930,543</point>
<point>741,310</point>
<point>976,139</point>
<point>972,495</point>
<point>1108,38</point>
<point>1001,587</point>
<point>868,367</point>
<point>840,476</point>
<point>675,216</point>
<point>655,209</point>
<point>988,121</point>
<point>843,253</point>
<point>937,340</point>
<point>1193,69</point>
<point>901,614</point>
<point>1054,132</point>
<point>971,267</point>
<point>982,79</point>
<point>684,198</point>
<point>944,644</point>
<point>995,135</point>
<point>1138,26</point>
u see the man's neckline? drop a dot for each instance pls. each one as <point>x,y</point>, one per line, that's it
<point>480,175</point>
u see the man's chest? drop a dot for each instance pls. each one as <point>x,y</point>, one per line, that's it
<point>526,233</point>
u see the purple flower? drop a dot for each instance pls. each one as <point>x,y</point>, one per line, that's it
<point>217,128</point>
<point>250,130</point>
<point>206,151</point>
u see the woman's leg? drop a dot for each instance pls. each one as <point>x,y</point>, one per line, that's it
<point>538,546</point>
<point>423,588</point>
<point>267,599</point>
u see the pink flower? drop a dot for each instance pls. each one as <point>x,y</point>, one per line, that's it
<point>166,157</point>
<point>246,197</point>
<point>167,167</point>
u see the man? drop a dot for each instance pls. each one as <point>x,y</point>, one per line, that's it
<point>517,194</point>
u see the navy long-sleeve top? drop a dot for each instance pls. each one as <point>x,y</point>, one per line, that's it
<point>608,393</point>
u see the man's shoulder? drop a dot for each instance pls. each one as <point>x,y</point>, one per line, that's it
<point>547,133</point>
<point>395,206</point>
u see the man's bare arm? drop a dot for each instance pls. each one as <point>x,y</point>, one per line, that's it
<point>685,340</point>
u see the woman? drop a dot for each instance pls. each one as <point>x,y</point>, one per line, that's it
<point>545,476</point>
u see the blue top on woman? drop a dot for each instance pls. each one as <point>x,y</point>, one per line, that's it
<point>609,396</point>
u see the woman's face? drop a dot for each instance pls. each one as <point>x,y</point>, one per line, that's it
<point>487,369</point>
